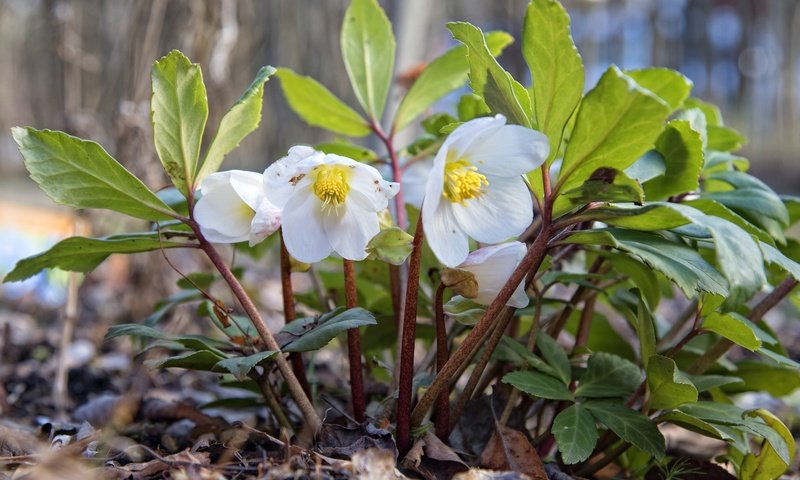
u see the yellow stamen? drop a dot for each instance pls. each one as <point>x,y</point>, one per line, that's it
<point>462,181</point>
<point>331,184</point>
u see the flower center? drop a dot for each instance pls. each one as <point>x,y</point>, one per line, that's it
<point>331,184</point>
<point>462,181</point>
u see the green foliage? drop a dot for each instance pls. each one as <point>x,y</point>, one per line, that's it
<point>630,425</point>
<point>489,80</point>
<point>368,51</point>
<point>608,375</point>
<point>669,387</point>
<point>443,75</point>
<point>539,385</point>
<point>312,334</point>
<point>243,117</point>
<point>319,107</point>
<point>80,254</point>
<point>178,109</point>
<point>80,174</point>
<point>575,433</point>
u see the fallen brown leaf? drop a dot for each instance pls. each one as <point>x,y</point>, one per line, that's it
<point>509,449</point>
<point>432,459</point>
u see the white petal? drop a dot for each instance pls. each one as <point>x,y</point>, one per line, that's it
<point>435,185</point>
<point>282,176</point>
<point>508,151</point>
<point>350,229</point>
<point>472,133</point>
<point>221,213</point>
<point>302,229</point>
<point>504,210</point>
<point>448,242</point>
<point>249,186</point>
<point>414,181</point>
<point>492,267</point>
<point>265,222</point>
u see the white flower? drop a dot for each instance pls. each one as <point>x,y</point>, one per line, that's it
<point>476,187</point>
<point>492,266</point>
<point>330,203</point>
<point>233,208</point>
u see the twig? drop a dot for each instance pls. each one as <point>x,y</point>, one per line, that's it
<point>405,386</point>
<point>354,345</point>
<point>442,354</point>
<point>290,315</point>
<point>295,389</point>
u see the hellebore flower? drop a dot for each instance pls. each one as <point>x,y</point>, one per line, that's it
<point>481,276</point>
<point>476,187</point>
<point>233,208</point>
<point>330,203</point>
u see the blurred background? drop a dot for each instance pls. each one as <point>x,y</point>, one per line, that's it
<point>83,66</point>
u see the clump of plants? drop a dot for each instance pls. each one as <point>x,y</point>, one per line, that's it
<point>506,239</point>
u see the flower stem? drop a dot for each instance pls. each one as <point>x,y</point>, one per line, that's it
<point>532,260</point>
<point>442,354</point>
<point>718,349</point>
<point>388,142</point>
<point>354,345</point>
<point>295,389</point>
<point>290,315</point>
<point>407,345</point>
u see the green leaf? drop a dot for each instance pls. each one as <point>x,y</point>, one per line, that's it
<point>694,424</point>
<point>556,68</point>
<point>707,382</point>
<point>538,385</point>
<point>555,356</point>
<point>679,263</point>
<point>178,110</point>
<point>326,328</point>
<point>318,107</point>
<point>606,185</point>
<point>349,150</point>
<point>136,330</point>
<point>617,122</point>
<point>724,139</point>
<point>512,351</point>
<point>80,254</point>
<point>669,388</point>
<point>241,366</point>
<point>758,376</point>
<point>608,375</point>
<point>443,75</point>
<point>647,167</point>
<point>488,79</point>
<point>646,331</point>
<point>464,310</point>
<point>682,150</point>
<point>391,245</point>
<point>242,118</point>
<point>733,327</point>
<point>80,174</point>
<point>629,425</point>
<point>709,110</point>
<point>714,412</point>
<point>716,209</point>
<point>368,47</point>
<point>576,434</point>
<point>199,360</point>
<point>772,461</point>
<point>667,84</point>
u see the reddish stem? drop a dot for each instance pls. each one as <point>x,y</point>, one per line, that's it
<point>442,354</point>
<point>290,315</point>
<point>407,345</point>
<point>354,345</point>
<point>397,174</point>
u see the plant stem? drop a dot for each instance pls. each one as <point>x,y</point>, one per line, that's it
<point>588,469</point>
<point>388,142</point>
<point>721,346</point>
<point>495,335</point>
<point>580,293</point>
<point>290,315</point>
<point>532,260</point>
<point>512,399</point>
<point>442,354</point>
<point>585,324</point>
<point>405,386</point>
<point>354,345</point>
<point>295,389</point>
<point>272,401</point>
